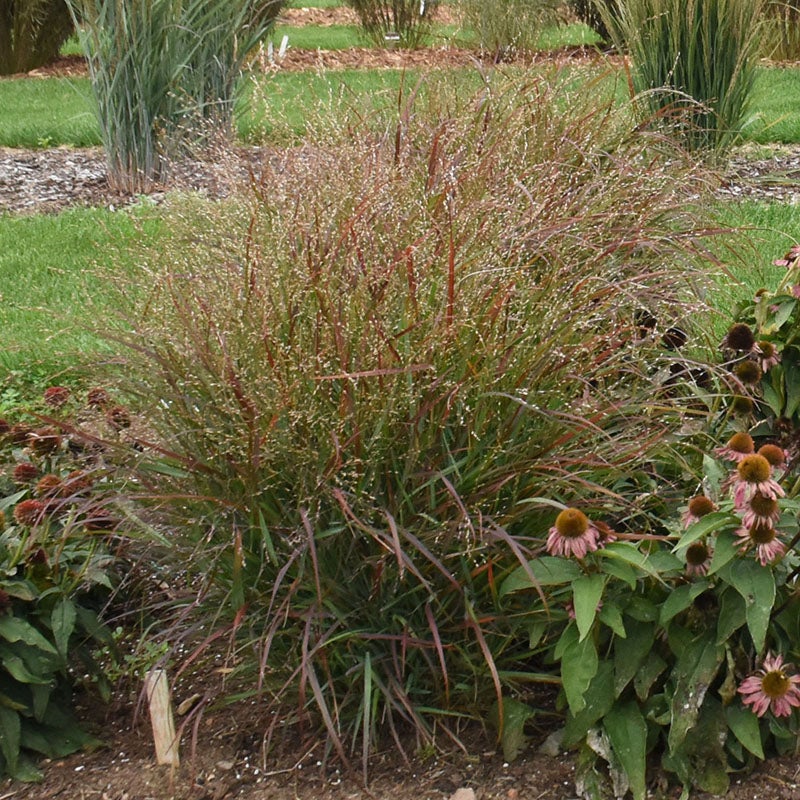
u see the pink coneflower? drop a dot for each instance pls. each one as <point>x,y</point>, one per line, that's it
<point>754,474</point>
<point>760,510</point>
<point>768,355</point>
<point>771,688</point>
<point>698,507</point>
<point>789,259</point>
<point>764,539</point>
<point>56,396</point>
<point>698,558</point>
<point>572,535</point>
<point>737,447</point>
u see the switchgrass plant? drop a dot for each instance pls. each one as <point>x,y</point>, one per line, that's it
<point>394,22</point>
<point>693,64</point>
<point>505,28</point>
<point>781,39</point>
<point>360,381</point>
<point>31,33</point>
<point>163,75</point>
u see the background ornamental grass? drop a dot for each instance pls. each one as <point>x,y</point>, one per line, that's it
<point>368,378</point>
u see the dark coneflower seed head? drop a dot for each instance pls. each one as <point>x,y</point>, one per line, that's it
<point>700,505</point>
<point>697,553</point>
<point>774,454</point>
<point>48,484</point>
<point>98,397</point>
<point>762,505</point>
<point>754,469</point>
<point>572,523</point>
<point>118,417</point>
<point>762,533</point>
<point>19,433</point>
<point>25,473</point>
<point>748,372</point>
<point>740,337</point>
<point>674,338</point>
<point>56,396</point>
<point>29,512</point>
<point>742,405</point>
<point>44,441</point>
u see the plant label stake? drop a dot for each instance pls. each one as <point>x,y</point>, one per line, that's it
<point>156,687</point>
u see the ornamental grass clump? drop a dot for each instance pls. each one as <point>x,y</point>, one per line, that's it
<point>388,22</point>
<point>781,40</point>
<point>31,33</point>
<point>693,64</point>
<point>163,75</point>
<point>507,28</point>
<point>361,379</point>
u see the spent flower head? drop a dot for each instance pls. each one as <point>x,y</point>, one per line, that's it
<point>699,506</point>
<point>25,472</point>
<point>698,558</point>
<point>760,510</point>
<point>740,337</point>
<point>737,447</point>
<point>56,396</point>
<point>29,512</point>
<point>763,539</point>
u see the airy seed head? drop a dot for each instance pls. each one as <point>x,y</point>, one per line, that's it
<point>754,469</point>
<point>700,505</point>
<point>572,523</point>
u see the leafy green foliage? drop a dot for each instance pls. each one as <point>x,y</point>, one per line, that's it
<point>693,64</point>
<point>664,678</point>
<point>31,33</point>
<point>56,572</point>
